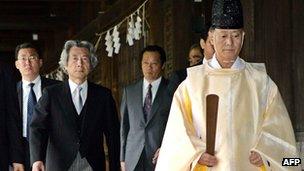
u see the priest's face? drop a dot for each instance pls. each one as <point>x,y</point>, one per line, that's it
<point>151,65</point>
<point>78,65</point>
<point>227,44</point>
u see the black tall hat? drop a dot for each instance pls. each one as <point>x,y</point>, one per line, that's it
<point>227,14</point>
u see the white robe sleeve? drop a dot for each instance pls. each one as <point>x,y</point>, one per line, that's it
<point>180,146</point>
<point>276,140</point>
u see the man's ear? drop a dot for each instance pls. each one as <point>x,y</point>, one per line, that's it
<point>164,66</point>
<point>211,36</point>
<point>202,43</point>
<point>40,63</point>
<point>243,36</point>
<point>17,64</point>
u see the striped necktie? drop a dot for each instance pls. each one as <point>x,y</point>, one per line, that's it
<point>32,101</point>
<point>148,103</point>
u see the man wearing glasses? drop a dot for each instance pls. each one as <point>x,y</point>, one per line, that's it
<point>29,89</point>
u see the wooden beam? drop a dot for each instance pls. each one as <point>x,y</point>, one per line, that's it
<point>118,12</point>
<point>109,18</point>
<point>33,26</point>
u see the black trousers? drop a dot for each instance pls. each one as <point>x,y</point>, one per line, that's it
<point>4,155</point>
<point>144,163</point>
<point>27,162</point>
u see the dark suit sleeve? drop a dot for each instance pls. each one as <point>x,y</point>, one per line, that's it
<point>38,129</point>
<point>16,149</point>
<point>112,134</point>
<point>174,80</point>
<point>124,127</point>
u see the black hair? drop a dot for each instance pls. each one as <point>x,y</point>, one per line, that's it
<point>154,48</point>
<point>27,45</point>
<point>205,31</point>
<point>197,46</point>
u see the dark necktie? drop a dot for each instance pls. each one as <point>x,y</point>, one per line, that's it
<point>30,107</point>
<point>148,103</point>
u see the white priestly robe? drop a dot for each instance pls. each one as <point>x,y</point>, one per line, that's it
<point>251,117</point>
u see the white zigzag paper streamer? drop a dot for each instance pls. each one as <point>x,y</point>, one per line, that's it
<point>137,30</point>
<point>116,40</point>
<point>130,34</point>
<point>109,44</point>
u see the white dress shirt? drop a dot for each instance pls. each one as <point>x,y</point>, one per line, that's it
<point>83,92</point>
<point>25,93</point>
<point>155,85</point>
<point>204,60</point>
<point>213,63</point>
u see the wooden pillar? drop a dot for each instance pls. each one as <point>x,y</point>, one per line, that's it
<point>273,45</point>
<point>248,50</point>
<point>155,18</point>
<point>297,58</point>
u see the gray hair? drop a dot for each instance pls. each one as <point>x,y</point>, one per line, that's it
<point>76,43</point>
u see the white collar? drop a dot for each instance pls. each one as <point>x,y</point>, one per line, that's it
<point>73,85</point>
<point>35,81</point>
<point>213,63</point>
<point>154,83</point>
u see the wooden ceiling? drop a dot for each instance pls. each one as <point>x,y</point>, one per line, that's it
<point>20,19</point>
<point>54,21</point>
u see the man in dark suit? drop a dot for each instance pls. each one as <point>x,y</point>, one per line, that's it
<point>144,108</point>
<point>28,62</point>
<point>10,150</point>
<point>195,57</point>
<point>75,115</point>
<point>198,54</point>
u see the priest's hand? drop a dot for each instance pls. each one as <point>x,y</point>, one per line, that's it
<point>255,159</point>
<point>208,160</point>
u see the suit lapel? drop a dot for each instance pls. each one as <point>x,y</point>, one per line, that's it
<point>138,99</point>
<point>88,108</point>
<point>157,100</point>
<point>66,98</point>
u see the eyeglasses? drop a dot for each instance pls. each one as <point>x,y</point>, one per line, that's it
<point>30,58</point>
